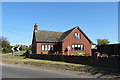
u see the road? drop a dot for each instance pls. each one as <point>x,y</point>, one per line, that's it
<point>12,71</point>
<point>17,53</point>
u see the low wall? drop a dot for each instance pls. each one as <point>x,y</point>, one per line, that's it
<point>111,62</point>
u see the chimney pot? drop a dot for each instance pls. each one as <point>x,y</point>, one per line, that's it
<point>36,26</point>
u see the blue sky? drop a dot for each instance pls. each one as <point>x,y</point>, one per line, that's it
<point>99,20</point>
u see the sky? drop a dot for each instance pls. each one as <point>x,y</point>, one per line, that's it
<point>99,20</point>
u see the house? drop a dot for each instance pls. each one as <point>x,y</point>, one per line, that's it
<point>68,42</point>
<point>94,46</point>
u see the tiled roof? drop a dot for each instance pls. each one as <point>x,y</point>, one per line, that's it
<point>47,36</point>
<point>53,36</point>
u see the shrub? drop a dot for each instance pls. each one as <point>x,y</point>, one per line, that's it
<point>79,54</point>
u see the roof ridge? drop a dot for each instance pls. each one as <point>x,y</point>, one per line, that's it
<point>50,31</point>
<point>72,28</point>
<point>60,31</point>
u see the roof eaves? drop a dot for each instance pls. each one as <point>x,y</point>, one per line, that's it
<point>69,33</point>
<point>85,36</point>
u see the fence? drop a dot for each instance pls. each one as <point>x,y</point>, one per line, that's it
<point>111,62</point>
<point>110,49</point>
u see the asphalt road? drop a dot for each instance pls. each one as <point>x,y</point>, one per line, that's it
<point>11,54</point>
<point>12,71</point>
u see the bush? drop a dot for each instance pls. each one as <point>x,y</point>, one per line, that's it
<point>27,54</point>
<point>79,54</point>
<point>6,50</point>
<point>24,48</point>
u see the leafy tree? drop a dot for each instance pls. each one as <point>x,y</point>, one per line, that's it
<point>102,41</point>
<point>30,47</point>
<point>0,44</point>
<point>5,45</point>
<point>23,48</point>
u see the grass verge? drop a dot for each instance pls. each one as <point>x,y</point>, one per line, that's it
<point>56,65</point>
<point>46,64</point>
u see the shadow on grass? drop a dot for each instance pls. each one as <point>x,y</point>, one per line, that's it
<point>103,71</point>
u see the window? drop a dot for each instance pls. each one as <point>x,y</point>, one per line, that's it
<point>47,48</point>
<point>43,47</point>
<point>77,35</point>
<point>52,48</point>
<point>77,47</point>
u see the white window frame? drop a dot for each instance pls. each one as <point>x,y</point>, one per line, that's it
<point>49,47</point>
<point>79,46</point>
<point>46,47</point>
<point>43,47</point>
<point>77,35</point>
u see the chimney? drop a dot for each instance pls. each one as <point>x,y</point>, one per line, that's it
<point>36,26</point>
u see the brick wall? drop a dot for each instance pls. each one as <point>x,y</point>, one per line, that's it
<point>71,40</point>
<point>57,47</point>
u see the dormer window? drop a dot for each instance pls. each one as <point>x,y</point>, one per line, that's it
<point>77,35</point>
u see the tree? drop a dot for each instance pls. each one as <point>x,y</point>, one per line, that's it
<point>5,45</point>
<point>30,47</point>
<point>23,48</point>
<point>102,41</point>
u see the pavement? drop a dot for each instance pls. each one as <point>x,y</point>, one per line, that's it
<point>12,71</point>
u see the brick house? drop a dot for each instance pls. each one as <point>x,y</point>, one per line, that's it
<point>69,42</point>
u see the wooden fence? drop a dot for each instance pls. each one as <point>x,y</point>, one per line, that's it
<point>110,49</point>
<point>111,62</point>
